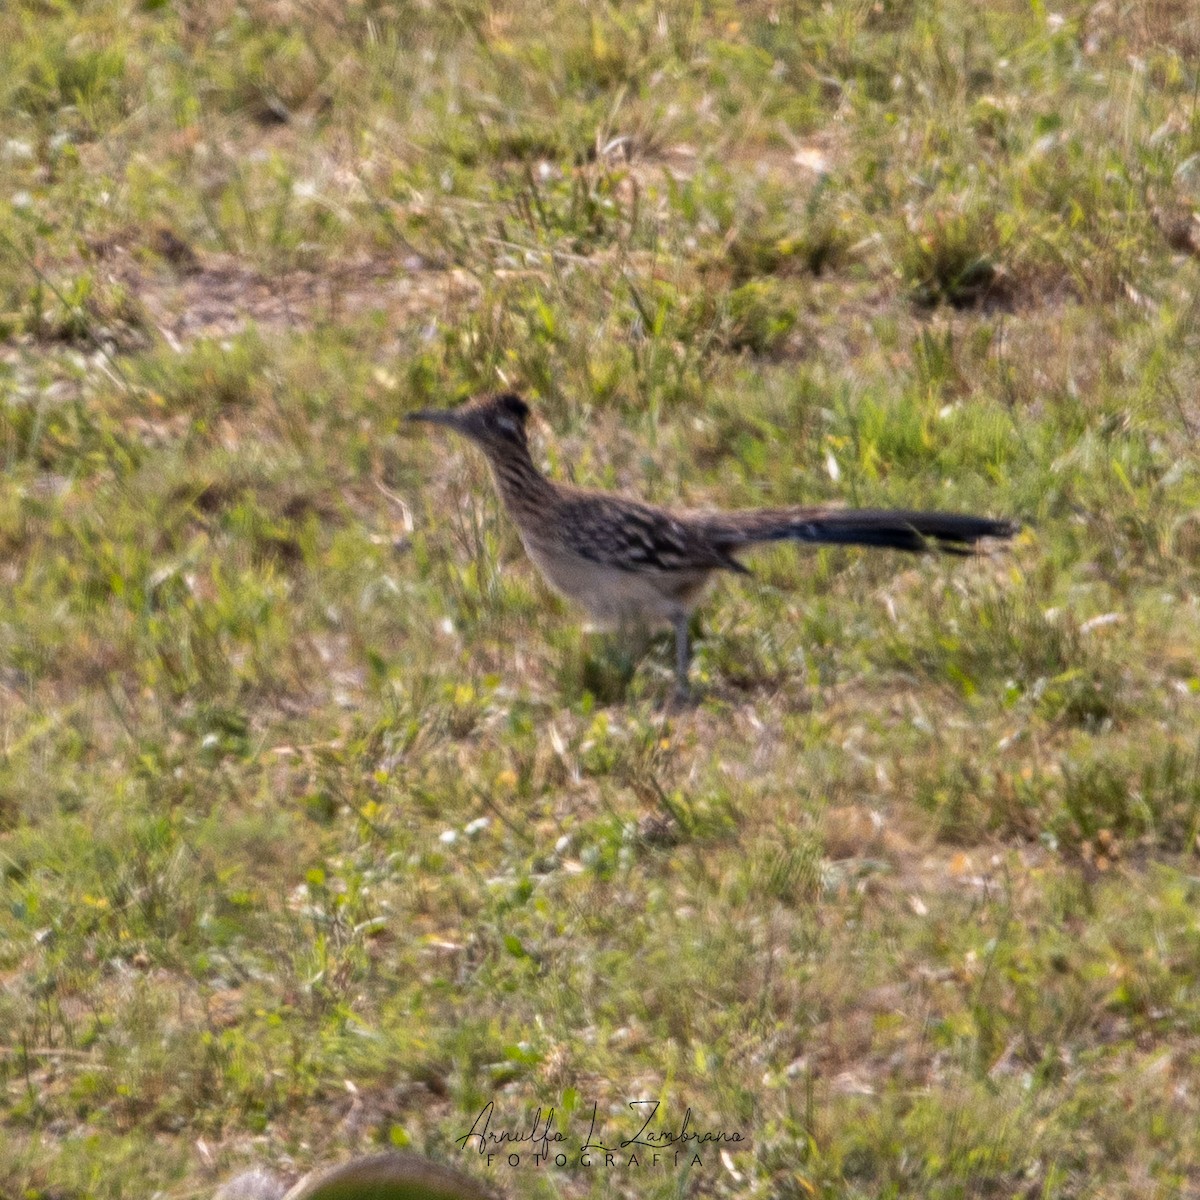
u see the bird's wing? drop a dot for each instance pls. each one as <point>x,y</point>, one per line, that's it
<point>631,536</point>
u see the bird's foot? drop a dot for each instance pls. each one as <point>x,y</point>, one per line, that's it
<point>681,699</point>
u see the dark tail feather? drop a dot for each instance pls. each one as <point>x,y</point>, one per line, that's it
<point>897,529</point>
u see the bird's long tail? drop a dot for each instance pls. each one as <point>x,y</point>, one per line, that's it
<point>895,528</point>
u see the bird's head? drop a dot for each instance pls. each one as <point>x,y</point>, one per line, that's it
<point>492,422</point>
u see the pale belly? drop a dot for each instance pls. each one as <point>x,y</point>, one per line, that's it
<point>616,598</point>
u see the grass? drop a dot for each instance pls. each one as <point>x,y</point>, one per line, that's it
<point>322,823</point>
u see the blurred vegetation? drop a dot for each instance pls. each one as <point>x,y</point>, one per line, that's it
<point>322,823</point>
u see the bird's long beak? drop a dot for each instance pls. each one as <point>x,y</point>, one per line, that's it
<point>436,416</point>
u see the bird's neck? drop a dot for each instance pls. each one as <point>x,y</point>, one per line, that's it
<point>522,487</point>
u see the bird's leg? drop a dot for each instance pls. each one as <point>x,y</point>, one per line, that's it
<point>683,657</point>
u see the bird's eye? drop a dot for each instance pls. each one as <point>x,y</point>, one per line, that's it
<point>506,423</point>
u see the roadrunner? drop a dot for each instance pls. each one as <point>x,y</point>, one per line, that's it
<point>636,565</point>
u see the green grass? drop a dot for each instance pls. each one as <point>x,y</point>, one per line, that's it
<point>322,823</point>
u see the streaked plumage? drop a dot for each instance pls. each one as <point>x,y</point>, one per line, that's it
<point>630,563</point>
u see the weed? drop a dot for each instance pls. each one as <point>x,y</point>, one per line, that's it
<point>323,824</point>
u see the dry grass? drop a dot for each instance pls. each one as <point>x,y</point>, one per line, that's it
<point>322,823</point>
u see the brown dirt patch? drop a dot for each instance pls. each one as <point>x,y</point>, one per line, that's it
<point>195,294</point>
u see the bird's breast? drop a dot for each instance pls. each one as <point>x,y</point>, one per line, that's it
<point>616,597</point>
